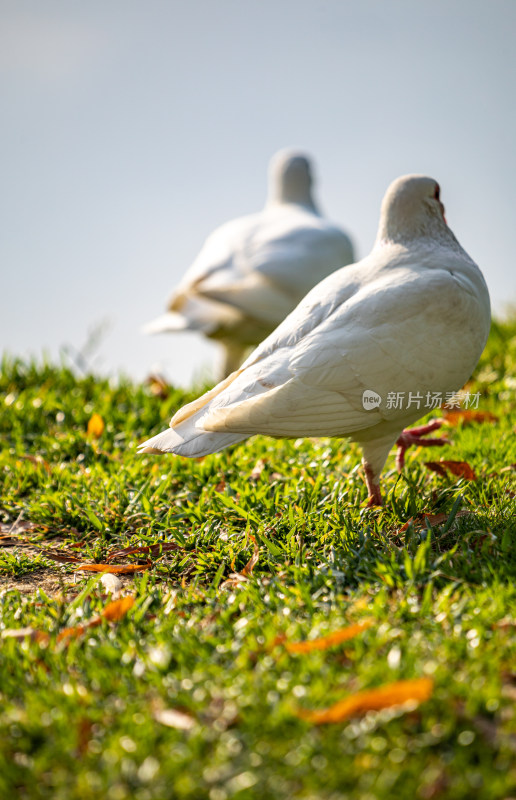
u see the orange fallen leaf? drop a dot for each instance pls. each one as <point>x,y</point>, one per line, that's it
<point>392,694</point>
<point>459,468</point>
<point>119,569</point>
<point>113,612</point>
<point>117,609</point>
<point>95,426</point>
<point>333,639</point>
<point>468,416</point>
<point>78,630</point>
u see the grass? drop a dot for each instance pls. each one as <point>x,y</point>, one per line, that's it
<point>89,714</point>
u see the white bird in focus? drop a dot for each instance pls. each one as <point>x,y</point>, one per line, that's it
<point>363,351</point>
<point>253,271</point>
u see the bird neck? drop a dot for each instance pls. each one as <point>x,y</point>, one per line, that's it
<point>402,228</point>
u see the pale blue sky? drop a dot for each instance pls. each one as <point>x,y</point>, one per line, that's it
<point>131,129</point>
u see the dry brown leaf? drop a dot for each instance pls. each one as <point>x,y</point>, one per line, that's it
<point>248,569</point>
<point>38,461</point>
<point>434,519</point>
<point>333,639</point>
<point>152,550</point>
<point>8,541</point>
<point>12,528</point>
<point>460,469</point>
<point>238,578</point>
<point>505,623</point>
<point>58,555</point>
<point>95,426</point>
<point>392,694</point>
<point>468,416</point>
<point>157,386</point>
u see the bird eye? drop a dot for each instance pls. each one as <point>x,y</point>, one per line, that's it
<point>437,191</point>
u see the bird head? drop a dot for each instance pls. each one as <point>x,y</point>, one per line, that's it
<point>412,208</point>
<point>290,178</point>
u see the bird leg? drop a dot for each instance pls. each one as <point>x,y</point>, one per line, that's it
<point>233,355</point>
<point>373,486</point>
<point>415,436</point>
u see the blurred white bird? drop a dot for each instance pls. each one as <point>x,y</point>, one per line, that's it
<point>410,319</point>
<point>253,271</point>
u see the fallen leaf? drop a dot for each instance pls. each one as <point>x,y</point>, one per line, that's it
<point>435,466</point>
<point>468,416</point>
<point>434,519</point>
<point>117,609</point>
<point>174,719</point>
<point>113,612</point>
<point>58,555</point>
<point>153,549</point>
<point>157,386</point>
<point>460,469</point>
<point>506,622</point>
<point>95,426</point>
<point>238,578</point>
<point>119,569</point>
<point>333,639</point>
<point>39,461</point>
<point>78,630</point>
<point>84,733</point>
<point>392,694</point>
<point>18,526</point>
<point>8,541</point>
<point>248,569</point>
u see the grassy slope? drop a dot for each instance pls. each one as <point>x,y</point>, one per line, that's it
<point>77,718</point>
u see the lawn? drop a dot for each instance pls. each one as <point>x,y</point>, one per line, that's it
<point>272,637</point>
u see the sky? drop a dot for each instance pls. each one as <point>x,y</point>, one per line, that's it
<point>131,129</point>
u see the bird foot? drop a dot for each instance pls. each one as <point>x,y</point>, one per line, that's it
<point>415,436</point>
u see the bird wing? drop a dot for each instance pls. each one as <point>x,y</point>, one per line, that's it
<point>399,330</point>
<point>296,249</point>
<point>264,264</point>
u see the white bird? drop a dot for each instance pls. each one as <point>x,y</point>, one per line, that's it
<point>253,271</point>
<point>410,319</point>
